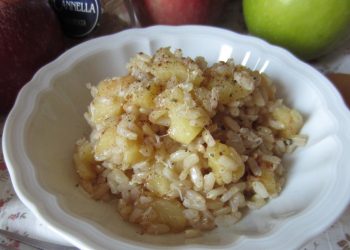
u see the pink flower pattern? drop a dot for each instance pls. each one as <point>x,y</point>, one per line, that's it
<point>18,215</point>
<point>2,166</point>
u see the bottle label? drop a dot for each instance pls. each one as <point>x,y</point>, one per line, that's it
<point>78,17</point>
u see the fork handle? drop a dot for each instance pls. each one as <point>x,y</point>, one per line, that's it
<point>34,242</point>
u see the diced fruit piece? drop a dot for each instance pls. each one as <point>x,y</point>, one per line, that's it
<point>144,97</point>
<point>181,129</point>
<point>165,70</point>
<point>267,178</point>
<point>170,98</point>
<point>106,143</point>
<point>166,65</point>
<point>170,212</point>
<point>158,184</point>
<point>229,90</point>
<point>131,150</point>
<point>105,110</point>
<point>290,118</point>
<point>224,160</point>
<point>111,87</point>
<point>85,163</point>
<point>105,147</point>
<point>107,105</point>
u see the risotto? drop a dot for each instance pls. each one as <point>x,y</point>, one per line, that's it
<point>183,146</point>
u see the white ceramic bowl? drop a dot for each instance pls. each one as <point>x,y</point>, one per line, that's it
<point>47,119</point>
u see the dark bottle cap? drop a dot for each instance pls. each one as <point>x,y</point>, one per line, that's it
<point>78,17</point>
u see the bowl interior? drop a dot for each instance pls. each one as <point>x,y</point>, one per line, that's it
<point>57,122</point>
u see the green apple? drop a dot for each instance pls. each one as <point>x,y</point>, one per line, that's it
<point>308,28</point>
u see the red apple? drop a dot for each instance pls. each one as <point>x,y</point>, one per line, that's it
<point>30,36</point>
<point>177,12</point>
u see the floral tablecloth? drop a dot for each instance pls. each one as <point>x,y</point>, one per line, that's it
<point>14,216</point>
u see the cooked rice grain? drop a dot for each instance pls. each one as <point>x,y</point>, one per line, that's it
<point>183,146</point>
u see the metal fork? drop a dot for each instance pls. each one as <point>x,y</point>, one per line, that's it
<point>34,243</point>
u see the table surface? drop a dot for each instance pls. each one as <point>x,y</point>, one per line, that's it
<point>14,216</point>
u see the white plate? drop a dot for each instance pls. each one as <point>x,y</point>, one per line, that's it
<point>47,119</point>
